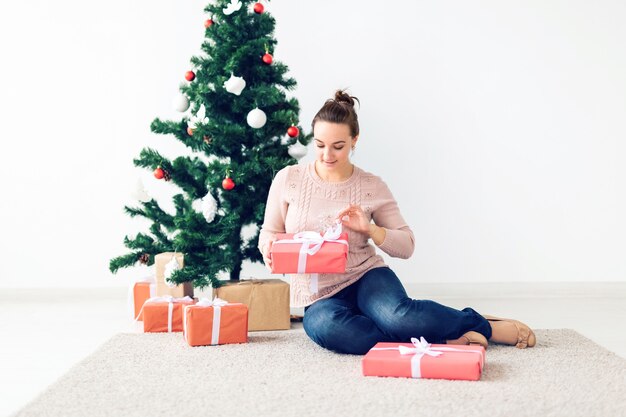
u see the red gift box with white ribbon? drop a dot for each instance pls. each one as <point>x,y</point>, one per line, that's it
<point>164,314</point>
<point>310,252</point>
<point>420,359</point>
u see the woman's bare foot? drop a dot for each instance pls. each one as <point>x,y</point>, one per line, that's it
<point>511,332</point>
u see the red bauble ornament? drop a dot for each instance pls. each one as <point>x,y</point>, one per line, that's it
<point>190,131</point>
<point>258,8</point>
<point>190,75</point>
<point>268,58</point>
<point>208,23</point>
<point>159,173</point>
<point>228,183</point>
<point>293,131</point>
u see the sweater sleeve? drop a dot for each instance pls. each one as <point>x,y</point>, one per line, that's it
<point>399,239</point>
<point>275,210</point>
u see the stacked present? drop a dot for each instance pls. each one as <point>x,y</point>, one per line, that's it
<point>310,252</point>
<point>203,323</point>
<point>420,359</point>
<point>168,307</point>
<point>159,285</point>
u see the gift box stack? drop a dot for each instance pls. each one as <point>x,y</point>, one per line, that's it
<point>157,285</point>
<point>167,307</point>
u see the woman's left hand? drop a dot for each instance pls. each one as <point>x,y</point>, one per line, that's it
<point>354,218</point>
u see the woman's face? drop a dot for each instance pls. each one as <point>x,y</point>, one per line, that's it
<point>333,144</point>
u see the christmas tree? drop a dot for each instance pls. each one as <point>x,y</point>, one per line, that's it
<point>242,129</point>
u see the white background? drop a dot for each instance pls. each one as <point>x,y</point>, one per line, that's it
<point>498,125</point>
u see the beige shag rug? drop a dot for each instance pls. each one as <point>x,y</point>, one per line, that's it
<point>285,374</point>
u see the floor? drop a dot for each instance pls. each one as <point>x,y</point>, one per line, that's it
<point>45,332</point>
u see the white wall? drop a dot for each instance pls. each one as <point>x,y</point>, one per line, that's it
<point>499,127</point>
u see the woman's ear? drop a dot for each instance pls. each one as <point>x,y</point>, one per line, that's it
<point>354,140</point>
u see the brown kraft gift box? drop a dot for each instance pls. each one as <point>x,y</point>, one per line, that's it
<point>267,301</point>
<point>179,291</point>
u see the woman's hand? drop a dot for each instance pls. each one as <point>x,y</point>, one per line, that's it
<point>353,217</point>
<point>266,254</point>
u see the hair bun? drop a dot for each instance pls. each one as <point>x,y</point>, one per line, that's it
<point>339,109</point>
<point>342,97</point>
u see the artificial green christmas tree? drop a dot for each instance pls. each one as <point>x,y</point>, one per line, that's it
<point>241,128</point>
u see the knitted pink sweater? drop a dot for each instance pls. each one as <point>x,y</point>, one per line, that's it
<point>300,200</point>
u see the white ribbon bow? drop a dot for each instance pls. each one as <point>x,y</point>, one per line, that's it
<point>217,304</point>
<point>312,241</point>
<point>422,347</point>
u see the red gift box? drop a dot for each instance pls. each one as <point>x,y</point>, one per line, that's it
<point>164,314</point>
<point>423,360</point>
<point>216,322</point>
<point>309,253</point>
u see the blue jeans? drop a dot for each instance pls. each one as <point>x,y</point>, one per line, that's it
<point>376,309</point>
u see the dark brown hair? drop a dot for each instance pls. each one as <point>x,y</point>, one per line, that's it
<point>339,110</point>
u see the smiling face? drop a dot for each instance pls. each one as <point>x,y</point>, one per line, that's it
<point>332,145</point>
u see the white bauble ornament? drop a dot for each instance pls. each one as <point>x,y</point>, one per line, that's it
<point>235,84</point>
<point>232,7</point>
<point>140,193</point>
<point>170,267</point>
<point>256,118</point>
<point>180,103</point>
<point>297,150</point>
<point>209,207</point>
<point>199,118</point>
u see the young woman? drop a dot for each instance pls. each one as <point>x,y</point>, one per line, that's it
<point>351,312</point>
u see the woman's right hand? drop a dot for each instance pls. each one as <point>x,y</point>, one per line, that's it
<point>266,254</point>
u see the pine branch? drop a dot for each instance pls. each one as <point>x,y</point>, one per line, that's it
<point>199,275</point>
<point>123,261</point>
<point>188,174</point>
<point>161,237</point>
<point>149,158</point>
<point>141,241</point>
<point>151,211</point>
